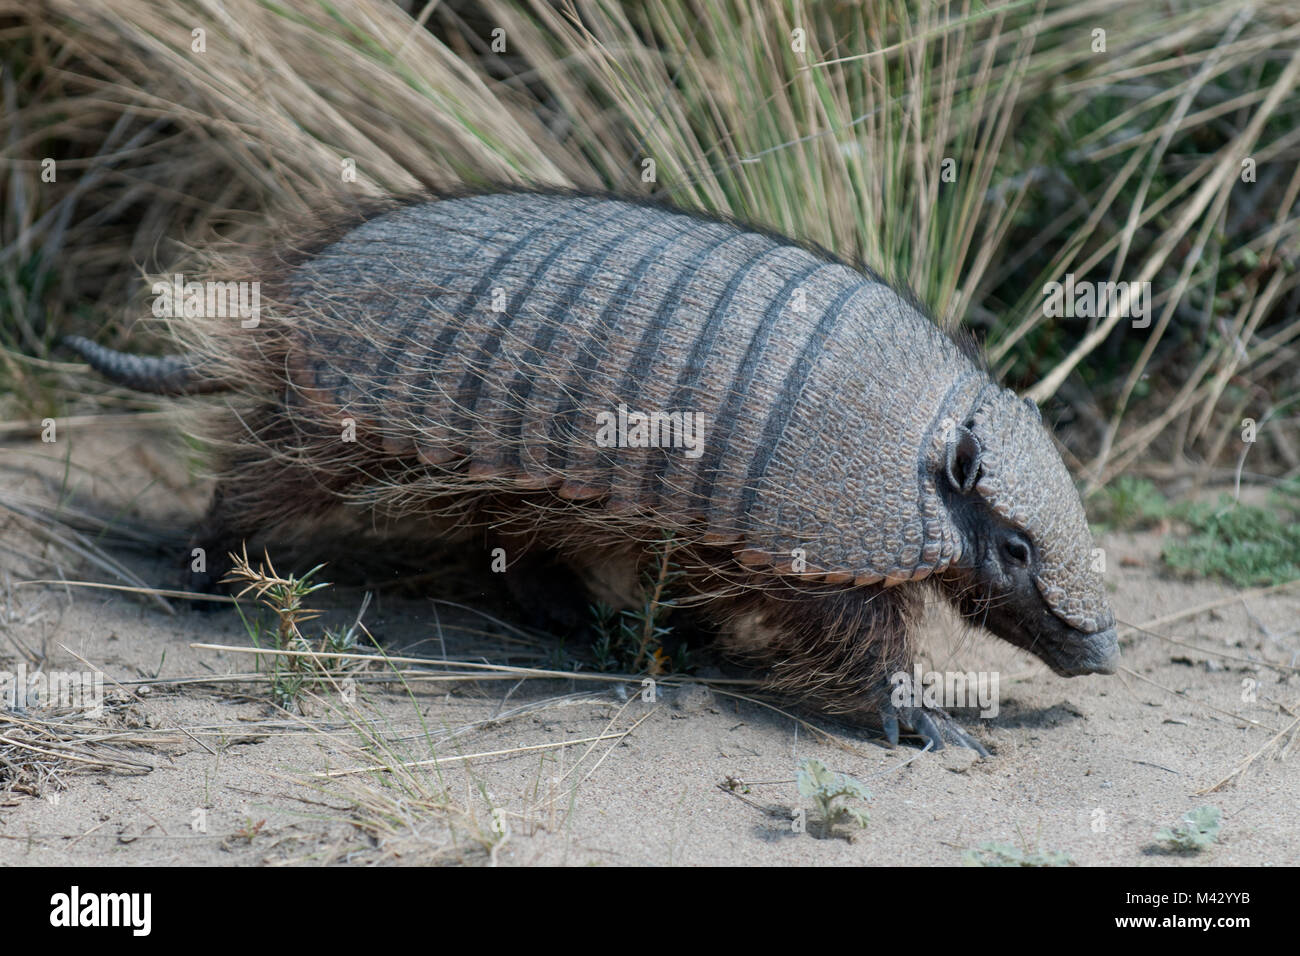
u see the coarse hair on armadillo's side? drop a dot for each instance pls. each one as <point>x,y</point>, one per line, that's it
<point>220,350</point>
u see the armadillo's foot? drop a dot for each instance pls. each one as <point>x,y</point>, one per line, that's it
<point>930,724</point>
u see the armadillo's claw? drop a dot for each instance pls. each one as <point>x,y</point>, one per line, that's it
<point>890,724</point>
<point>932,725</point>
<point>955,734</point>
<point>924,725</point>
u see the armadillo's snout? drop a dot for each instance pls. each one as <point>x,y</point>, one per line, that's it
<point>1095,653</point>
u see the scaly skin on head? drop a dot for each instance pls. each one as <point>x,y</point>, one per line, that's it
<point>1027,569</point>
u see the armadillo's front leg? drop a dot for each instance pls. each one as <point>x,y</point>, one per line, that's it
<point>840,649</point>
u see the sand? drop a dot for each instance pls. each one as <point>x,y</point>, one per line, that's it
<point>1089,767</point>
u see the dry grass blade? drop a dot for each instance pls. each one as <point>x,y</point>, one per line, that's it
<point>479,666</point>
<point>1245,765</point>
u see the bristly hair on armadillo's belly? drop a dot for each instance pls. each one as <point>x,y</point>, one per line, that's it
<point>804,400</point>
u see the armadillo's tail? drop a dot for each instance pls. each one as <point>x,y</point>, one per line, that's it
<point>162,375</point>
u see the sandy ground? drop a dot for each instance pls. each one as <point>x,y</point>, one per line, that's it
<point>218,775</point>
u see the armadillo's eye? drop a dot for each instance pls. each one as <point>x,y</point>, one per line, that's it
<point>1016,549</point>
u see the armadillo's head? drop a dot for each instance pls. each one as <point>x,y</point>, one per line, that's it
<point>1027,571</point>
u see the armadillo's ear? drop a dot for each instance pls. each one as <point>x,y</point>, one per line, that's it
<point>963,459</point>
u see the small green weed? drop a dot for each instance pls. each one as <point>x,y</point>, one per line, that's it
<point>1248,545</point>
<point>633,640</point>
<point>825,788</point>
<point>291,674</point>
<point>1004,854</point>
<point>1130,503</point>
<point>1198,830</point>
<point>1245,544</point>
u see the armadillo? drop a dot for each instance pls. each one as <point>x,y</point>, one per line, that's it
<point>590,373</point>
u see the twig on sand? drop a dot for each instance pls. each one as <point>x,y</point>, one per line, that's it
<point>1245,764</point>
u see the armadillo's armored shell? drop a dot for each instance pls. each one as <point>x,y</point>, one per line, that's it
<point>486,334</point>
<point>1024,480</point>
